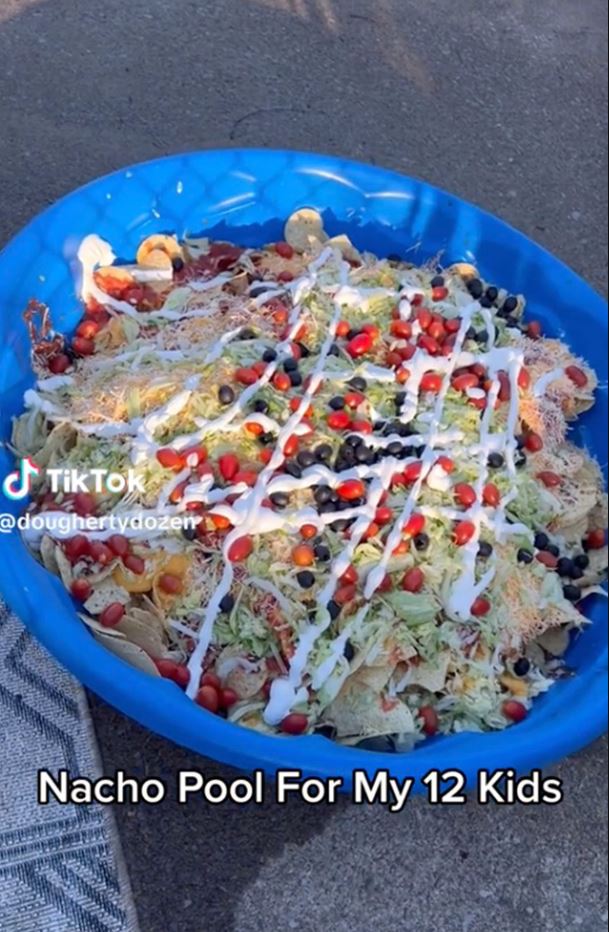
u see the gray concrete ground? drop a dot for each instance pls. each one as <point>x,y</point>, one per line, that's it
<point>504,103</point>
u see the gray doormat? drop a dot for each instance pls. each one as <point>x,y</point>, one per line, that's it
<point>61,867</point>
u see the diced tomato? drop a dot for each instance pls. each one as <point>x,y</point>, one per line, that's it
<point>259,368</point>
<point>383,516</point>
<point>284,250</point>
<point>338,420</point>
<point>463,533</point>
<point>429,344</point>
<point>402,375</point>
<point>402,329</point>
<point>393,359</point>
<point>302,555</point>
<point>76,548</point>
<point>423,315</point>
<point>88,329</point>
<point>430,719</point>
<point>101,553</point>
<point>446,463</point>
<point>280,314</point>
<point>550,479</point>
<point>505,388</point>
<point>291,445</point>
<point>58,364</point>
<point>439,293</point>
<point>464,494</point>
<point>596,539</point>
<point>248,476</point>
<point>452,324</point>
<point>342,328</point>
<point>464,381</point>
<point>359,345</point>
<point>478,370</point>
<point>170,584</point>
<point>170,459</point>
<point>281,381</point>
<point>240,549</point>
<point>413,471</point>
<point>514,710</point>
<point>534,330</point>
<point>577,376</point>
<point>402,548</point>
<point>194,456</point>
<point>431,382</point>
<point>406,352</point>
<point>81,589</point>
<point>354,399</point>
<point>524,379</point>
<point>350,575</point>
<point>228,464</point>
<point>491,495</point>
<point>480,606</point>
<point>134,564</point>
<point>371,531</point>
<point>307,531</point>
<point>265,456</point>
<point>386,584</point>
<point>112,615</point>
<point>246,376</point>
<point>345,594</point>
<point>413,580</point>
<point>547,559</point>
<point>84,504</point>
<point>118,544</point>
<point>83,346</point>
<point>285,276</point>
<point>361,426</point>
<point>208,698</point>
<point>533,442</point>
<point>414,525</point>
<point>228,697</point>
<point>294,723</point>
<point>177,493</point>
<point>372,329</point>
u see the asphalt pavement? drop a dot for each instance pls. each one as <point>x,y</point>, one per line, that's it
<point>502,102</point>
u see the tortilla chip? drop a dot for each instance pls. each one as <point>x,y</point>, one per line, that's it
<point>345,247</point>
<point>157,251</point>
<point>65,568</point>
<point>304,227</point>
<point>358,710</point>
<point>132,582</point>
<point>146,629</point>
<point>596,573</point>
<point>47,554</point>
<point>555,641</point>
<point>104,594</point>
<point>130,653</point>
<point>431,676</point>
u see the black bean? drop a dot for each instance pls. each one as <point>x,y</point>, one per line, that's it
<point>437,281</point>
<point>524,556</point>
<point>348,651</point>
<point>576,572</point>
<point>334,350</point>
<point>475,287</point>
<point>226,395</point>
<point>304,350</point>
<point>341,524</point>
<point>327,508</point>
<point>352,334</point>
<point>553,549</point>
<point>333,609</point>
<point>177,264</point>
<point>582,561</point>
<point>520,459</point>
<point>510,304</point>
<point>421,541</point>
<point>522,666</point>
<point>496,460</point>
<point>257,290</point>
<point>400,398</point>
<point>322,494</point>
<point>394,448</point>
<point>565,566</point>
<point>305,458</point>
<point>227,603</point>
<point>290,364</point>
<point>520,441</point>
<point>267,437</point>
<point>293,469</point>
<point>295,378</point>
<point>512,322</point>
<point>347,455</point>
<point>261,406</point>
<point>246,333</point>
<point>364,455</point>
<point>322,553</point>
<point>485,549</point>
<point>541,540</point>
<point>306,579</point>
<point>485,302</point>
<point>189,533</point>
<point>572,593</point>
<point>482,336</point>
<point>358,383</point>
<point>280,499</point>
<point>269,355</point>
<point>492,293</point>
<point>470,333</point>
<point>323,452</point>
<point>337,403</point>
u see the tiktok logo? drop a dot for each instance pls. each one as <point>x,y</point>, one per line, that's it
<point>17,484</point>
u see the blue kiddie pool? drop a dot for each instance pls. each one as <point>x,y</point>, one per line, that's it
<point>244,196</point>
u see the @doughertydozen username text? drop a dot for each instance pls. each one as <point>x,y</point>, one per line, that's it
<point>446,787</point>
